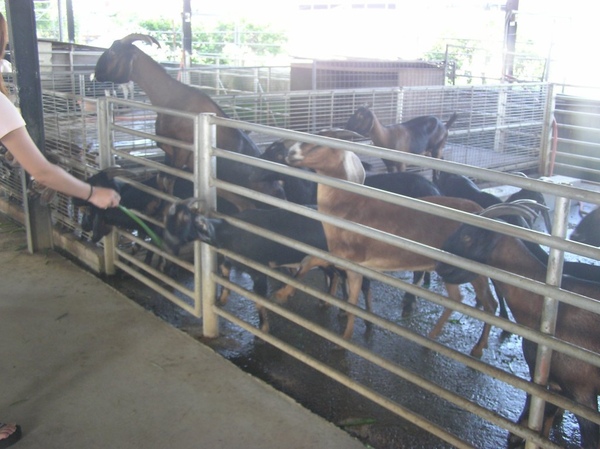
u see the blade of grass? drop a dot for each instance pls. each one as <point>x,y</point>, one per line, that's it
<point>155,238</point>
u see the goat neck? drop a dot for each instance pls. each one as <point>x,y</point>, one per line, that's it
<point>154,80</point>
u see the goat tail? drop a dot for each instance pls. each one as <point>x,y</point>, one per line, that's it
<point>451,120</point>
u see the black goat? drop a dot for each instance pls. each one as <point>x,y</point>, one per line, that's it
<point>588,229</point>
<point>460,186</point>
<point>297,190</point>
<point>426,135</point>
<point>183,225</point>
<point>101,221</point>
<point>578,380</point>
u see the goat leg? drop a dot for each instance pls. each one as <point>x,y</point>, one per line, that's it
<point>225,269</point>
<point>409,298</point>
<point>307,264</point>
<point>483,292</point>
<point>354,283</point>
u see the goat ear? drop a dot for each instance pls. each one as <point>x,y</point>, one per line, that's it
<point>195,204</point>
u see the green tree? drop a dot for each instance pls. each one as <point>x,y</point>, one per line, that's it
<point>214,44</point>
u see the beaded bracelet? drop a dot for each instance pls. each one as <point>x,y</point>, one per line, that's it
<point>91,193</point>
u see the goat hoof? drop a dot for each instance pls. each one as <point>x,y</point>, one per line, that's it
<point>409,307</point>
<point>515,442</point>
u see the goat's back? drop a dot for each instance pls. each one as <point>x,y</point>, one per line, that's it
<point>402,221</point>
<point>283,222</point>
<point>460,186</point>
<point>403,183</point>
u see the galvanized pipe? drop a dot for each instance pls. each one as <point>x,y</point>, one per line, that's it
<point>549,317</point>
<point>205,261</point>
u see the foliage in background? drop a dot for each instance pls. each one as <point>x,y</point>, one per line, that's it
<point>226,43</point>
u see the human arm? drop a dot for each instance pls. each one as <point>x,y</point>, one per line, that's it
<point>25,151</point>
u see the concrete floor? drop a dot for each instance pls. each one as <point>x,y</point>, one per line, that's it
<point>85,367</point>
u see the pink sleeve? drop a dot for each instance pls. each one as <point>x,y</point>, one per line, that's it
<point>10,118</point>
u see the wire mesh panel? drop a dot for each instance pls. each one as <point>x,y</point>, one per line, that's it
<point>576,151</point>
<point>498,127</point>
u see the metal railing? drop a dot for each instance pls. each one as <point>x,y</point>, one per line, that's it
<point>207,280</point>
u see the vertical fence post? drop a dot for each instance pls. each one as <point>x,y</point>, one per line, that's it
<point>500,135</point>
<point>205,259</point>
<point>104,140</point>
<point>549,314</point>
<point>545,167</point>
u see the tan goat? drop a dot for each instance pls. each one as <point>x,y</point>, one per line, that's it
<point>401,221</point>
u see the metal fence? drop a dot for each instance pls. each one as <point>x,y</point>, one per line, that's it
<point>199,297</point>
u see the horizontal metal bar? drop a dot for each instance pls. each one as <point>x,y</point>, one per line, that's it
<point>154,285</point>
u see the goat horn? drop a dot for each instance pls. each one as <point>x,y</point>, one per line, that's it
<point>147,39</point>
<point>521,210</point>
<point>531,204</point>
<point>539,208</point>
<point>113,172</point>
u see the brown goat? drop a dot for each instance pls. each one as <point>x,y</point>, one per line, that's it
<point>401,221</point>
<point>424,135</point>
<point>577,379</point>
<point>124,62</point>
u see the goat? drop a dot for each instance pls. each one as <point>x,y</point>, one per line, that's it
<point>588,229</point>
<point>426,135</point>
<point>183,225</point>
<point>124,62</point>
<point>101,221</point>
<point>577,379</point>
<point>409,184</point>
<point>394,219</point>
<point>460,186</point>
<point>305,192</point>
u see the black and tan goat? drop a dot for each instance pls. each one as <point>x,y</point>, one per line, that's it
<point>578,380</point>
<point>425,135</point>
<point>184,224</point>
<point>124,62</point>
<point>462,187</point>
<point>101,221</point>
<point>394,219</point>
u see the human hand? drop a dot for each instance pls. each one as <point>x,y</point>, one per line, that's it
<point>104,198</point>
